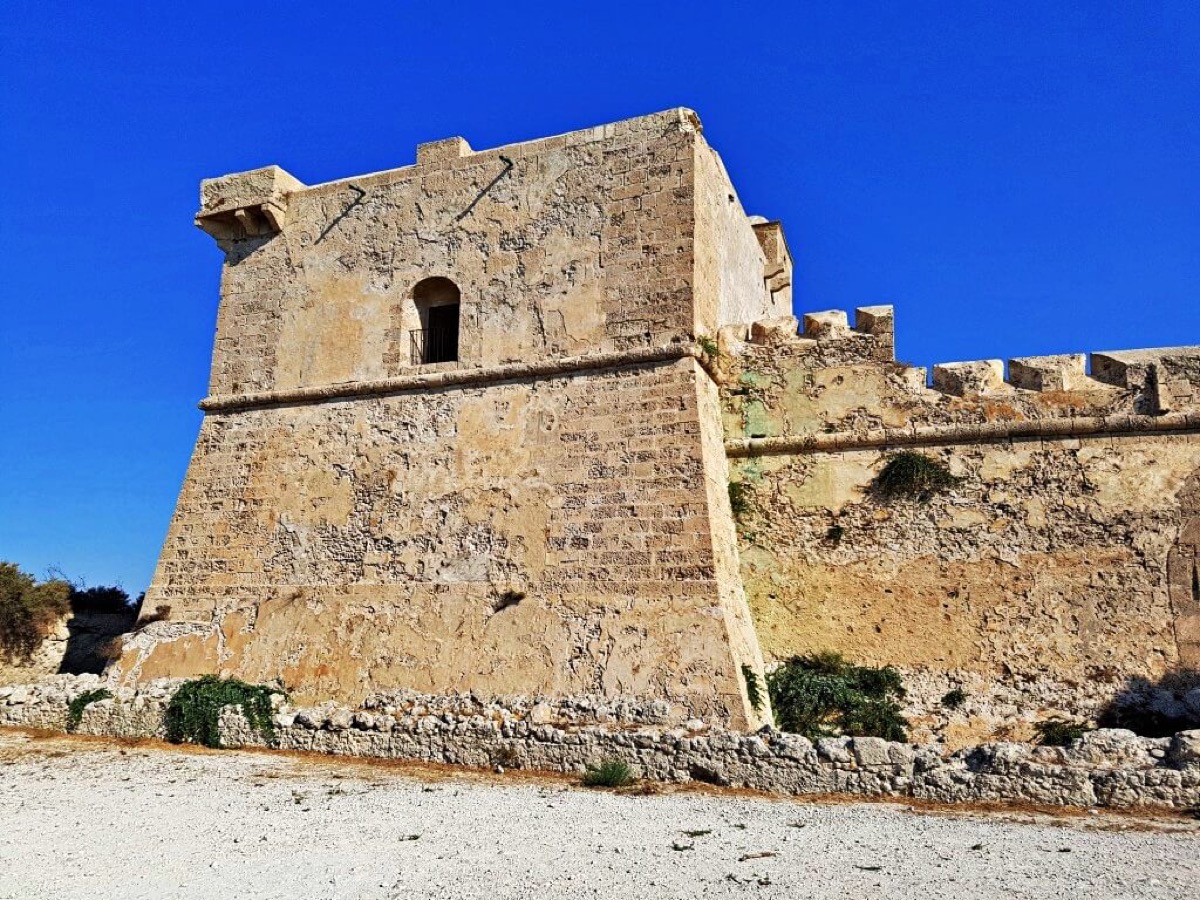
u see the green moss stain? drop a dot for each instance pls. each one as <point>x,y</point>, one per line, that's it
<point>751,470</point>
<point>757,420</point>
<point>753,379</point>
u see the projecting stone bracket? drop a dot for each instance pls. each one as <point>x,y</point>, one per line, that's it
<point>247,204</point>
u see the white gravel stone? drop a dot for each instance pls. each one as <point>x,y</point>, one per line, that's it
<point>96,821</point>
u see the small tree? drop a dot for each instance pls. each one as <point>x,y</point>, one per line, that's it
<point>101,600</point>
<point>28,611</point>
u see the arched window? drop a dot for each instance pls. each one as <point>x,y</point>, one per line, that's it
<point>437,303</point>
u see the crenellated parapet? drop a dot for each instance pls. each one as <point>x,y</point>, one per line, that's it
<point>819,339</point>
<point>1051,536</point>
<point>820,374</point>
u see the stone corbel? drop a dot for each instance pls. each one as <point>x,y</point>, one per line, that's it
<point>246,204</point>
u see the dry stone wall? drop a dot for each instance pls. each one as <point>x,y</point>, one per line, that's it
<point>1057,571</point>
<point>1111,767</point>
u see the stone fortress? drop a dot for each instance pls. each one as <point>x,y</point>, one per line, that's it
<point>472,426</point>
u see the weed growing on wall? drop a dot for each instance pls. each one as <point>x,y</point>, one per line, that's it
<point>954,698</point>
<point>739,499</point>
<point>194,712</point>
<point>824,696</point>
<point>753,688</point>
<point>612,773</point>
<point>1059,732</point>
<point>912,475</point>
<point>82,702</point>
<point>709,346</point>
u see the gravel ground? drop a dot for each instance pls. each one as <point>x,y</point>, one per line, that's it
<point>97,819</point>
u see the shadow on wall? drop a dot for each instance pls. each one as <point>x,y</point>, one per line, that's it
<point>90,634</point>
<point>1156,708</point>
<point>98,616</point>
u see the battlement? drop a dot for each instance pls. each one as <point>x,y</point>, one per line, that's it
<point>840,384</point>
<point>1167,378</point>
<point>1160,371</point>
<point>827,337</point>
<point>828,325</point>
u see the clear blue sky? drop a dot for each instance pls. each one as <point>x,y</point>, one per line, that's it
<point>1017,178</point>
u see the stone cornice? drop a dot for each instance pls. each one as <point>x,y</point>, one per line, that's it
<point>985,432</point>
<point>420,381</point>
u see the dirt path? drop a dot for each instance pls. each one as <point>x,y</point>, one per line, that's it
<point>96,819</point>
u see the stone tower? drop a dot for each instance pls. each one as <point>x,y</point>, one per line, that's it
<point>460,434</point>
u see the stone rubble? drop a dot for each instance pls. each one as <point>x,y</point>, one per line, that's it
<point>1105,768</point>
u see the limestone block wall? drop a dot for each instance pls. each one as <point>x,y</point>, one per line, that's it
<point>731,265</point>
<point>562,246</point>
<point>347,546</point>
<point>1063,557</point>
<point>1108,767</point>
<point>548,512</point>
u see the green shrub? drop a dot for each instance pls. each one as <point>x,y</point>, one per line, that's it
<point>28,611</point>
<point>612,773</point>
<point>739,498</point>
<point>753,688</point>
<point>709,346</point>
<point>1059,732</point>
<point>194,712</point>
<point>954,698</point>
<point>824,696</point>
<point>82,702</point>
<point>101,600</point>
<point>909,474</point>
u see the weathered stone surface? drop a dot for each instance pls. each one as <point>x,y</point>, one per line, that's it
<point>769,331</point>
<point>1184,752</point>
<point>1065,372</point>
<point>1035,583</point>
<point>345,531</point>
<point>829,325</point>
<point>969,379</point>
<point>546,510</point>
